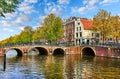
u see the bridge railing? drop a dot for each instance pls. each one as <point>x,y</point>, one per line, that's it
<point>33,43</point>
<point>117,45</point>
<point>61,44</point>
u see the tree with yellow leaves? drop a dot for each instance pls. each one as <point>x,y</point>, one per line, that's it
<point>115,27</point>
<point>101,23</point>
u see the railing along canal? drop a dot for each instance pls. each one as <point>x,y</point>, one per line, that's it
<point>116,45</point>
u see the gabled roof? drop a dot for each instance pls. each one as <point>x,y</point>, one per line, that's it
<point>87,24</point>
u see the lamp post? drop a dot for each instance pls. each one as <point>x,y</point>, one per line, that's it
<point>4,63</point>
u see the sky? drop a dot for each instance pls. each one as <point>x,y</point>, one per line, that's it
<point>32,13</point>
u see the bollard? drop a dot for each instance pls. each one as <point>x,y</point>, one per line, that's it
<point>4,64</point>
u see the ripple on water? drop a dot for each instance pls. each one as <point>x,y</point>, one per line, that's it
<point>59,68</point>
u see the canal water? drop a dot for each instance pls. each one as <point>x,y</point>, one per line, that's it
<point>59,67</point>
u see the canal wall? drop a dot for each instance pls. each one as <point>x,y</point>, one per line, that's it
<point>107,51</point>
<point>98,50</point>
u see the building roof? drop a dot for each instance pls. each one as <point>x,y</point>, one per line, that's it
<point>87,24</point>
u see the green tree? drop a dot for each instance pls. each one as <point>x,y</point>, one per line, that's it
<point>8,6</point>
<point>39,34</point>
<point>26,34</point>
<point>101,23</point>
<point>57,28</point>
<point>23,37</point>
<point>53,27</point>
<point>16,39</point>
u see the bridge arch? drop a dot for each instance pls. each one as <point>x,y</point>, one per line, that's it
<point>88,51</point>
<point>58,51</point>
<point>19,52</point>
<point>41,50</point>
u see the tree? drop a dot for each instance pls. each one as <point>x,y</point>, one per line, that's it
<point>53,27</point>
<point>48,22</point>
<point>101,23</point>
<point>115,27</point>
<point>57,28</point>
<point>26,34</point>
<point>16,39</point>
<point>24,37</point>
<point>39,34</point>
<point>8,6</point>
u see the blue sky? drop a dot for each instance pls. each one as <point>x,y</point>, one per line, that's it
<point>32,12</point>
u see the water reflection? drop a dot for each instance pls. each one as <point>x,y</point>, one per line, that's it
<point>54,67</point>
<point>33,52</point>
<point>11,53</point>
<point>61,67</point>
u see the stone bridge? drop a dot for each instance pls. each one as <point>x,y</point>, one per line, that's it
<point>53,50</point>
<point>42,49</point>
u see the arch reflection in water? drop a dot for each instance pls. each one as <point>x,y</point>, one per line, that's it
<point>11,53</point>
<point>38,50</point>
<point>33,52</point>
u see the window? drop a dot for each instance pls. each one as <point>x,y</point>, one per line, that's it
<point>79,28</point>
<point>97,34</point>
<point>78,23</point>
<point>80,34</point>
<point>76,34</point>
<point>92,34</point>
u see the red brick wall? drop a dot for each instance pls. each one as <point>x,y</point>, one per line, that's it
<point>101,51</point>
<point>73,50</point>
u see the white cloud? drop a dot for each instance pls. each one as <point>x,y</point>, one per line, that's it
<point>21,27</point>
<point>18,22</point>
<point>92,2</point>
<point>41,18</point>
<point>23,18</point>
<point>26,8</point>
<point>31,1</point>
<point>5,23</point>
<point>88,5</point>
<point>108,1</point>
<point>82,9</point>
<point>63,1</point>
<point>119,14</point>
<point>8,30</point>
<point>52,8</point>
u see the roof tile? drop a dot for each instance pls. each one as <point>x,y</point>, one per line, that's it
<point>87,24</point>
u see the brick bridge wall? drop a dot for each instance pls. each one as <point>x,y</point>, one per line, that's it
<point>97,50</point>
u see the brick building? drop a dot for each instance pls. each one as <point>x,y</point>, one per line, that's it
<point>79,31</point>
